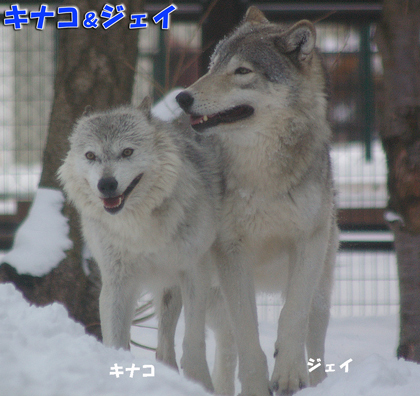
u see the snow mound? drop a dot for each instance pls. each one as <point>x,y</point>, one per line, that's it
<point>42,239</point>
<point>374,376</point>
<point>45,353</point>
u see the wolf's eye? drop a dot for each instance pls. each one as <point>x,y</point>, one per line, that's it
<point>127,152</point>
<point>242,70</point>
<point>90,156</point>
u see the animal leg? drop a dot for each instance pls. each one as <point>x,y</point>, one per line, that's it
<point>320,312</point>
<point>194,287</point>
<point>226,354</point>
<point>306,262</point>
<point>169,309</point>
<point>117,304</point>
<point>238,289</point>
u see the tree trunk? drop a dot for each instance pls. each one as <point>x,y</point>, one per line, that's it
<point>222,18</point>
<point>399,44</point>
<point>94,67</point>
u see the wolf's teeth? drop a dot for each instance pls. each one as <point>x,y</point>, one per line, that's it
<point>205,118</point>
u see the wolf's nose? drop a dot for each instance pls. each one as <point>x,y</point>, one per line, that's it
<point>185,100</point>
<point>108,185</point>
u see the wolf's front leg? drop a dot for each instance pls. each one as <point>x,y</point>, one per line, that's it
<point>117,304</point>
<point>306,265</point>
<point>195,287</point>
<point>169,309</point>
<point>223,374</point>
<point>237,285</point>
<point>320,313</point>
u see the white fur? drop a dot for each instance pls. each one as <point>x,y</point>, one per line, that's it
<point>160,239</point>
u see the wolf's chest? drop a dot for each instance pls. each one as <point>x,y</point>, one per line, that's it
<point>256,216</point>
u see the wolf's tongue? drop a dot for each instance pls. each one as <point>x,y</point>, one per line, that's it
<point>111,203</point>
<point>199,123</point>
<point>195,120</point>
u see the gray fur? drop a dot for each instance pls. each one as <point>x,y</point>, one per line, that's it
<point>278,229</point>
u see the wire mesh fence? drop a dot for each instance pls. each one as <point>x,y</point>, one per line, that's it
<point>366,284</point>
<point>366,281</point>
<point>26,92</point>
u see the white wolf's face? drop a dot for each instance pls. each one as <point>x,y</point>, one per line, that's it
<point>111,154</point>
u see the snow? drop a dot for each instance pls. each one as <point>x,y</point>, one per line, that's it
<point>374,376</point>
<point>43,352</point>
<point>42,239</point>
<point>17,181</point>
<point>360,183</point>
<point>391,217</point>
<point>364,236</point>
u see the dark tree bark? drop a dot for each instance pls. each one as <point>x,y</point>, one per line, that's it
<point>399,44</point>
<point>94,67</point>
<point>223,16</point>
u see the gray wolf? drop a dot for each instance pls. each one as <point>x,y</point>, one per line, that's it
<point>264,98</point>
<point>148,198</point>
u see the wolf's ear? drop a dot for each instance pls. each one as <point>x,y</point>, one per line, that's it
<point>254,15</point>
<point>299,39</point>
<point>88,110</point>
<point>146,106</point>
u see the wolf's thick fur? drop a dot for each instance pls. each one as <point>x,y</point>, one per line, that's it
<point>264,97</point>
<point>155,237</point>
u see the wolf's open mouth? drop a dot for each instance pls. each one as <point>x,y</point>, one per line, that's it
<point>115,204</point>
<point>199,123</point>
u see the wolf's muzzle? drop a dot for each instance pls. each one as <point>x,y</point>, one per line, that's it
<point>107,186</point>
<point>185,100</point>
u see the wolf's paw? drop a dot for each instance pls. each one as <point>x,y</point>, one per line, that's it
<point>256,388</point>
<point>167,357</point>
<point>253,376</point>
<point>289,375</point>
<point>256,393</point>
<point>277,389</point>
<point>196,369</point>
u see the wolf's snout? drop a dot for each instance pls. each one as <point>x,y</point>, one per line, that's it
<point>107,186</point>
<point>185,100</point>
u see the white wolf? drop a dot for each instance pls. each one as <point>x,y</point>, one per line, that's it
<point>148,198</point>
<point>264,97</point>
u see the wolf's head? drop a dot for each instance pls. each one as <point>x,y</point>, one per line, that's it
<point>112,157</point>
<point>260,70</point>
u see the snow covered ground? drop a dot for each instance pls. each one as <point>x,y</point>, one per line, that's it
<point>44,353</point>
